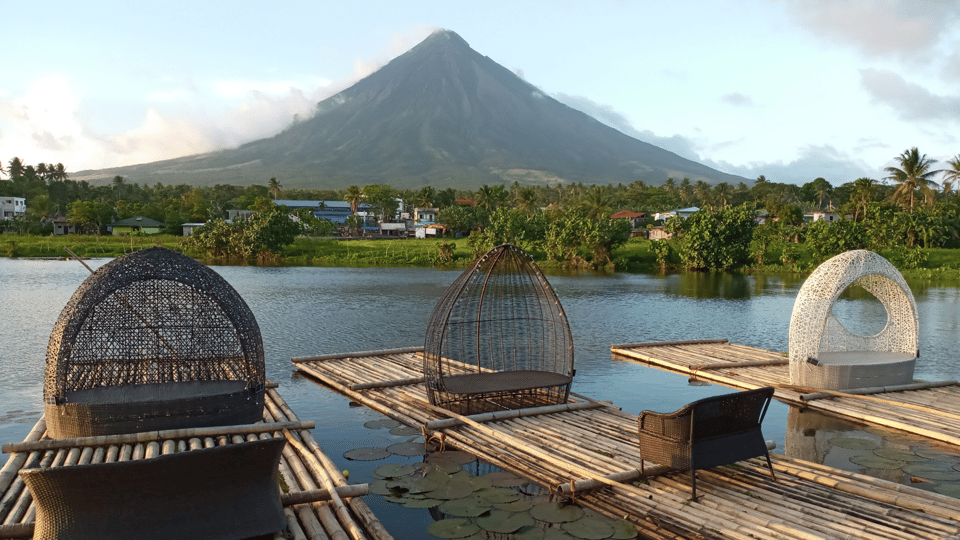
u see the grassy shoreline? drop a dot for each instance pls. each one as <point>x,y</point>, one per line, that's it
<point>636,256</point>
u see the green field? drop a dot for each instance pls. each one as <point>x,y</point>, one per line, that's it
<point>940,265</point>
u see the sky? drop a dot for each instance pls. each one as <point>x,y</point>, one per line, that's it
<point>790,89</point>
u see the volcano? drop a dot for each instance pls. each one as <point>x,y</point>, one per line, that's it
<point>440,114</point>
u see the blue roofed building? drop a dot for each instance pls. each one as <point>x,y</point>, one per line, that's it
<point>334,211</point>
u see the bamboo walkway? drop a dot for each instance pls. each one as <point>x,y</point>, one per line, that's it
<point>928,409</point>
<point>588,450</point>
<point>319,503</point>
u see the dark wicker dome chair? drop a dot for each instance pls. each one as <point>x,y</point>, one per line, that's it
<point>498,338</point>
<point>153,340</point>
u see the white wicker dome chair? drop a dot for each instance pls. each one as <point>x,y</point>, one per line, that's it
<point>826,355</point>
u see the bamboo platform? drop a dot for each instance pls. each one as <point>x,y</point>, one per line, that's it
<point>588,450</point>
<point>927,409</point>
<point>319,504</point>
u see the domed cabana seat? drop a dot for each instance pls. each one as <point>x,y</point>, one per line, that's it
<point>498,338</point>
<point>826,355</point>
<point>153,340</point>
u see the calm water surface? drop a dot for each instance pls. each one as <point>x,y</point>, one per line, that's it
<point>305,311</point>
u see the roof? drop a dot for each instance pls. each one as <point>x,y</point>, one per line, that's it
<point>137,221</point>
<point>465,201</point>
<point>627,214</point>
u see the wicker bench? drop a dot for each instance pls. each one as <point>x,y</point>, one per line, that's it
<point>707,433</point>
<point>220,493</point>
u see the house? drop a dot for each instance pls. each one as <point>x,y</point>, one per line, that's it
<point>425,216</point>
<point>335,212</point>
<point>658,233</point>
<point>134,224</point>
<point>11,207</point>
<point>242,215</point>
<point>62,225</point>
<point>189,227</point>
<point>465,202</point>
<point>682,213</point>
<point>393,229</point>
<point>633,217</point>
<point>431,231</point>
<point>820,215</point>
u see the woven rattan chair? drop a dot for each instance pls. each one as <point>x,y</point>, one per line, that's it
<point>153,340</point>
<point>826,355</point>
<point>498,338</point>
<point>707,433</point>
<point>220,493</point>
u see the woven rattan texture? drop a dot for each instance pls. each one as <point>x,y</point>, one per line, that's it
<point>706,433</point>
<point>225,492</point>
<point>500,315</point>
<point>814,327</point>
<point>152,316</point>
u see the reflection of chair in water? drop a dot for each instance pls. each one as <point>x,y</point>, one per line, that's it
<point>498,335</point>
<point>153,340</point>
<point>224,492</point>
<point>707,433</point>
<point>825,354</point>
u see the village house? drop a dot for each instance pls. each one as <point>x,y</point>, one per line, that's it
<point>635,219</point>
<point>135,224</point>
<point>11,207</point>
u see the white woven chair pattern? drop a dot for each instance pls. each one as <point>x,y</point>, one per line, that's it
<point>815,329</point>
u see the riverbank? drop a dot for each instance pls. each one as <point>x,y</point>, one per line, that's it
<point>636,256</point>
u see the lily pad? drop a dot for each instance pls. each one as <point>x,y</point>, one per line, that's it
<point>407,449</point>
<point>522,505</point>
<point>950,489</point>
<point>501,521</point>
<point>467,507</point>
<point>411,484</point>
<point>420,503</point>
<point>534,533</point>
<point>451,490</point>
<point>496,495</point>
<point>873,461</point>
<point>554,512</point>
<point>899,455</point>
<point>453,528</point>
<point>382,423</point>
<point>366,454</point>
<point>933,470</point>
<point>379,487</point>
<point>392,470</point>
<point>936,453</point>
<point>446,466</point>
<point>478,482</point>
<point>505,479</point>
<point>457,456</point>
<point>404,431</point>
<point>624,530</point>
<point>853,443</point>
<point>590,528</point>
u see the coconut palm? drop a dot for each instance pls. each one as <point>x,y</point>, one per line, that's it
<point>525,199</point>
<point>864,190</point>
<point>596,203</point>
<point>951,175</point>
<point>913,173</point>
<point>16,168</point>
<point>275,188</point>
<point>353,196</point>
<point>58,172</point>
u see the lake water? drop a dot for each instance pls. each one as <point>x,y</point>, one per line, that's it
<point>316,310</point>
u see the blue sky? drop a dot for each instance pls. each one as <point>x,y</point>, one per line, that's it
<point>791,89</point>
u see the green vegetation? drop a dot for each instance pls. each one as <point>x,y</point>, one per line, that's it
<point>907,217</point>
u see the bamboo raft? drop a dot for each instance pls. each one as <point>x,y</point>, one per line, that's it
<point>927,409</point>
<point>318,504</point>
<point>587,450</point>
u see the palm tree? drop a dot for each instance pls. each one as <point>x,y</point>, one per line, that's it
<point>863,193</point>
<point>425,197</point>
<point>119,184</point>
<point>275,188</point>
<point>913,173</point>
<point>525,199</point>
<point>721,194</point>
<point>596,203</point>
<point>951,175</point>
<point>16,168</point>
<point>353,196</point>
<point>58,172</point>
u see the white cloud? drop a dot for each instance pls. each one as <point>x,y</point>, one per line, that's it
<point>814,161</point>
<point>737,99</point>
<point>900,28</point>
<point>911,102</point>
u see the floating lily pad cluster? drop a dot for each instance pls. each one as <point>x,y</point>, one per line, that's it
<point>937,468</point>
<point>475,506</point>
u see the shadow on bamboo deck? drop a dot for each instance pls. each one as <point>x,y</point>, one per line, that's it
<point>318,502</point>
<point>587,450</point>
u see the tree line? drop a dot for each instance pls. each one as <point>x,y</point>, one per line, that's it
<point>565,221</point>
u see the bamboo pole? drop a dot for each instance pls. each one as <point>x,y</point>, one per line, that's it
<point>387,384</point>
<point>314,495</point>
<point>339,356</point>
<point>514,413</point>
<point>17,530</point>
<point>876,390</point>
<point>738,365</point>
<point>643,344</point>
<point>16,460</point>
<point>148,436</point>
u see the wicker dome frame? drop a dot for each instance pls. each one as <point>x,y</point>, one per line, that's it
<point>498,337</point>
<point>825,354</point>
<point>153,340</point>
